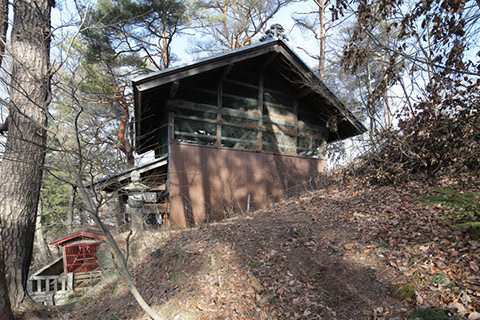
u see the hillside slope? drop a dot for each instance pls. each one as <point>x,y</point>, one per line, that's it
<point>344,252</point>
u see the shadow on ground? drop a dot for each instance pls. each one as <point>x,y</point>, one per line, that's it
<point>284,262</point>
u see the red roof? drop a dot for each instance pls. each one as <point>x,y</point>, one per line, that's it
<point>79,234</point>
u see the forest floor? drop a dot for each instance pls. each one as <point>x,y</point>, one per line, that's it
<point>348,251</point>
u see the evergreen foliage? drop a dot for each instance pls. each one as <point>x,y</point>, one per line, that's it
<point>276,31</point>
<point>134,29</point>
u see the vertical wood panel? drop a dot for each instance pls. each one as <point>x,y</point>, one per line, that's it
<point>207,182</point>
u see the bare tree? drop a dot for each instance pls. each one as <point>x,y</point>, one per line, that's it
<point>232,24</point>
<point>315,22</point>
<point>80,164</point>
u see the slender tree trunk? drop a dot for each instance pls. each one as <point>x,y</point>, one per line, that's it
<point>166,50</point>
<point>386,96</point>
<point>119,210</point>
<point>123,268</point>
<point>370,106</point>
<point>3,39</point>
<point>24,155</point>
<point>40,237</point>
<point>3,27</point>
<point>71,210</point>
<point>323,37</point>
<point>125,145</point>
<point>388,108</point>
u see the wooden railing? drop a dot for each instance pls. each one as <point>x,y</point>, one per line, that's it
<point>50,284</point>
<point>56,289</point>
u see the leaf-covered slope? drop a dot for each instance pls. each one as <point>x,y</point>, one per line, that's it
<point>345,252</point>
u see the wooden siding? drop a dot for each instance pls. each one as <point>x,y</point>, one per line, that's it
<point>208,184</point>
<point>248,110</point>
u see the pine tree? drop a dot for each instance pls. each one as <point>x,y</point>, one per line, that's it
<point>24,155</point>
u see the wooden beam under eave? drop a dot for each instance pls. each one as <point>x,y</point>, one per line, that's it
<point>226,71</point>
<point>270,59</point>
<point>302,94</point>
<point>173,89</point>
<point>198,68</point>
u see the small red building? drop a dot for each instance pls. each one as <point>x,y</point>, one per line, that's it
<point>80,250</point>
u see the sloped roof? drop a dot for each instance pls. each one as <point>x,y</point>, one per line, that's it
<point>274,48</point>
<point>87,232</point>
<point>114,182</point>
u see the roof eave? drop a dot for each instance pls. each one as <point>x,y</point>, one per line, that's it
<point>76,235</point>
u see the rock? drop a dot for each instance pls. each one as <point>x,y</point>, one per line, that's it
<point>418,298</point>
<point>255,283</point>
<point>474,316</point>
<point>349,246</point>
<point>378,311</point>
<point>458,307</point>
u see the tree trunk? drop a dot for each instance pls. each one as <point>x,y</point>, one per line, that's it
<point>119,210</point>
<point>5,309</point>
<point>388,108</point>
<point>323,35</point>
<point>370,106</point>
<point>122,262</point>
<point>3,39</point>
<point>24,155</point>
<point>125,145</point>
<point>3,27</point>
<point>40,237</point>
<point>71,210</point>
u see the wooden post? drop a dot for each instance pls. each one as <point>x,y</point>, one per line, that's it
<point>70,281</point>
<point>169,163</point>
<point>47,285</point>
<point>65,260</point>
<point>64,280</point>
<point>219,112</point>
<point>260,109</point>
<point>224,74</point>
<point>39,285</point>
<point>295,112</point>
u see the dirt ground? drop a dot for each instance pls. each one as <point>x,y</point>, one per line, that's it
<point>338,253</point>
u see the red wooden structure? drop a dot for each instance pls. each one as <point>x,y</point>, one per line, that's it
<point>80,250</point>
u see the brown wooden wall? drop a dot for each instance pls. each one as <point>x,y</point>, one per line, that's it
<point>207,183</point>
